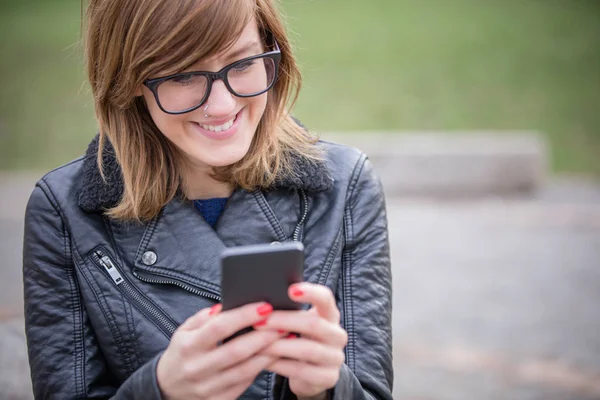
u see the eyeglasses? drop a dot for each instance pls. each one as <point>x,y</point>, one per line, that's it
<point>185,92</point>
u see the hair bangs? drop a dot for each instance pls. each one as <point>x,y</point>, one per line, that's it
<point>194,30</point>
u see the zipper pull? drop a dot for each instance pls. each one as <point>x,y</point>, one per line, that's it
<point>109,267</point>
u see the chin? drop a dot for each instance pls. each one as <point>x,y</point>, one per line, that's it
<point>223,157</point>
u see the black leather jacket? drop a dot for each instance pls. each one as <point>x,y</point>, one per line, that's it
<point>102,298</point>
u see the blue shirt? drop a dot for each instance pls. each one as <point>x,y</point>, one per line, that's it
<point>211,209</point>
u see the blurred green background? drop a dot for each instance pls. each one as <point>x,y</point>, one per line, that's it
<point>387,65</point>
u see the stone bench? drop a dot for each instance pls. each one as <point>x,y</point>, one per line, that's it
<point>468,164</point>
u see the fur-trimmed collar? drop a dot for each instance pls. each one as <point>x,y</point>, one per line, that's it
<point>96,195</point>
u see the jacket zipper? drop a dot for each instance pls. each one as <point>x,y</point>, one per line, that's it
<point>296,236</point>
<point>167,281</point>
<point>104,261</point>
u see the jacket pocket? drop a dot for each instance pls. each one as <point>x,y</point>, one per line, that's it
<point>102,259</point>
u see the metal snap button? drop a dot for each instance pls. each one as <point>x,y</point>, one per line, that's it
<point>149,258</point>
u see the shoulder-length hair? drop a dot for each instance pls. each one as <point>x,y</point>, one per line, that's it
<point>128,41</point>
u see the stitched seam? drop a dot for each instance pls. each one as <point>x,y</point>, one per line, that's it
<point>78,363</point>
<point>347,290</point>
<point>268,212</point>
<point>131,352</point>
<point>268,386</point>
<point>348,258</point>
<point>75,161</point>
<point>134,339</point>
<point>326,270</point>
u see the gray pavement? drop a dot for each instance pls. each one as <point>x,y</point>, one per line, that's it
<point>494,298</point>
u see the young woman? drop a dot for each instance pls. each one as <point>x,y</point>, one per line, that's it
<point>197,152</point>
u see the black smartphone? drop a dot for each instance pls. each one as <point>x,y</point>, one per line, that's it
<point>261,272</point>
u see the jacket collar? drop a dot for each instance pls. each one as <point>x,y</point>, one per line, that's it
<point>96,195</point>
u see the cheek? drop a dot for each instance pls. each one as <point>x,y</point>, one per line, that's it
<point>168,124</point>
<point>258,106</point>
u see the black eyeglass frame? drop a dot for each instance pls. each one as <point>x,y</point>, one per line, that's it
<point>211,77</point>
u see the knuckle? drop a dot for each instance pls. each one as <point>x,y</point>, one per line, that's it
<point>330,294</point>
<point>343,337</point>
<point>336,314</point>
<point>185,344</point>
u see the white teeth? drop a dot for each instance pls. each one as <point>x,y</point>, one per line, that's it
<point>218,128</point>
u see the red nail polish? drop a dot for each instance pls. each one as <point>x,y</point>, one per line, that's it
<point>265,309</point>
<point>296,292</point>
<point>214,309</point>
<point>291,336</point>
<point>261,323</point>
<point>280,331</point>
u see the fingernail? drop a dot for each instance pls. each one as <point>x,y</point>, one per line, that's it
<point>297,292</point>
<point>265,309</point>
<point>291,336</point>
<point>261,323</point>
<point>214,309</point>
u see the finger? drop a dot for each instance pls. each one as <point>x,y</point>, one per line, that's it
<point>314,375</point>
<point>226,323</point>
<point>237,350</point>
<point>246,371</point>
<point>305,350</point>
<point>321,298</point>
<point>307,324</point>
<point>199,319</point>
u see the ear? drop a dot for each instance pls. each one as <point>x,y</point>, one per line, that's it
<point>138,91</point>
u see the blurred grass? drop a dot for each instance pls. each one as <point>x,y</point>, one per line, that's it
<point>382,65</point>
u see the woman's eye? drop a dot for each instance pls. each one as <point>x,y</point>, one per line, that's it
<point>183,79</point>
<point>243,66</point>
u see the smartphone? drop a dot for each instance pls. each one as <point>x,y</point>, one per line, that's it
<point>261,272</point>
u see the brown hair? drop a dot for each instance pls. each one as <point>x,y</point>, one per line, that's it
<point>127,41</point>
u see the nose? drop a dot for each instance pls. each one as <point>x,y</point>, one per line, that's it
<point>220,102</point>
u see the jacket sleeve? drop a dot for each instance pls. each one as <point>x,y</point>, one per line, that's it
<point>365,293</point>
<point>65,359</point>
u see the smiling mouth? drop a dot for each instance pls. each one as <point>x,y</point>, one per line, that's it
<point>219,128</point>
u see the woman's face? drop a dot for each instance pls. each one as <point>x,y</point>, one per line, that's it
<point>207,137</point>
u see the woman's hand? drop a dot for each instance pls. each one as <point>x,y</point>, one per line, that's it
<point>194,367</point>
<point>311,362</point>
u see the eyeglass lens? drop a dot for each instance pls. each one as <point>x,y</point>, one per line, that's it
<point>186,91</point>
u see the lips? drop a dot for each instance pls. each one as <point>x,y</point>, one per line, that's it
<point>220,129</point>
